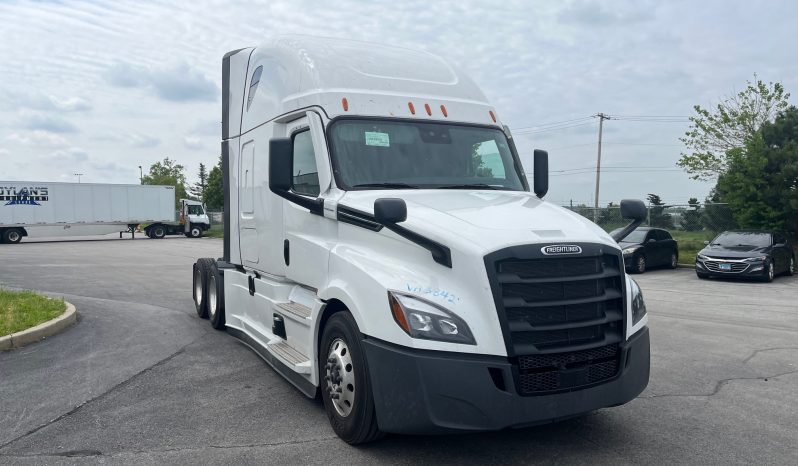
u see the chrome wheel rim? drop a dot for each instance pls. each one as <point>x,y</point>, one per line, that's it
<point>212,295</point>
<point>674,260</point>
<point>771,271</point>
<point>195,232</point>
<point>641,264</point>
<point>198,287</point>
<point>13,236</point>
<point>340,377</point>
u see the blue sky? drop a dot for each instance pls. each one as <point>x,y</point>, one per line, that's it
<point>100,88</point>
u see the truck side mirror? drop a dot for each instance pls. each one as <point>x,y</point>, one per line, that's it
<point>280,172</point>
<point>634,210</point>
<point>390,210</point>
<point>541,167</point>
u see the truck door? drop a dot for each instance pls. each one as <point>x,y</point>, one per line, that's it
<point>307,235</point>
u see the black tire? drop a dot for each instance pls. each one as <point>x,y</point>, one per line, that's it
<point>215,297</point>
<point>157,231</point>
<point>769,272</point>
<point>12,236</point>
<point>359,425</point>
<point>639,264</point>
<point>194,232</point>
<point>674,262</point>
<point>200,294</point>
<point>701,275</point>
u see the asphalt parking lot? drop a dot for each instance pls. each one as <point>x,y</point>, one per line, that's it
<point>141,380</point>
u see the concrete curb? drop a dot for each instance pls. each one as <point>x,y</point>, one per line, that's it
<point>41,331</point>
<point>685,266</point>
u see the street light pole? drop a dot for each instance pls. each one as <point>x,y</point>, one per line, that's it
<point>78,175</point>
<point>141,175</point>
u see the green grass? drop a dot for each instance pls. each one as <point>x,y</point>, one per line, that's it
<point>20,310</point>
<point>690,242</point>
<point>216,231</point>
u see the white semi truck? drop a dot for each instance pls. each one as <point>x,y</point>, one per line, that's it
<point>36,208</point>
<point>383,249</point>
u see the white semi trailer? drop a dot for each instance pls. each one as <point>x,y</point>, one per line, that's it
<point>36,208</point>
<point>383,249</point>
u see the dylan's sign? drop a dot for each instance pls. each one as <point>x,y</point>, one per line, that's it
<point>24,195</point>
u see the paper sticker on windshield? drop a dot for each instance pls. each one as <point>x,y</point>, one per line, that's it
<point>377,139</point>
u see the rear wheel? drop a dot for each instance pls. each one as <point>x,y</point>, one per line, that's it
<point>215,297</point>
<point>674,260</point>
<point>345,384</point>
<point>791,267</point>
<point>157,232</point>
<point>200,282</point>
<point>12,236</point>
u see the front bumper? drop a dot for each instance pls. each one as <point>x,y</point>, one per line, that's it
<point>427,392</point>
<point>712,268</point>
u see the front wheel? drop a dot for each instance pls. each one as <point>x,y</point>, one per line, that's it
<point>702,276</point>
<point>791,268</point>
<point>195,232</point>
<point>770,272</point>
<point>639,265</point>
<point>345,384</point>
<point>674,260</point>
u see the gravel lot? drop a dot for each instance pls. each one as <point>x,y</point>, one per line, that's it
<point>141,380</point>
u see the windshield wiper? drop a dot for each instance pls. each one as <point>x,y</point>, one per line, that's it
<point>386,185</point>
<point>472,186</point>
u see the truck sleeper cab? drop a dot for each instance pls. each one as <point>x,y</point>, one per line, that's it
<point>382,249</point>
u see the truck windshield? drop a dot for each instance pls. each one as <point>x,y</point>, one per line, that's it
<point>194,209</point>
<point>372,154</point>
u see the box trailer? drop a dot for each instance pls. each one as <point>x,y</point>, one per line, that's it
<point>31,207</point>
<point>384,250</point>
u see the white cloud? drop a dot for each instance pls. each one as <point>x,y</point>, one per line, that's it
<point>178,83</point>
<point>140,141</point>
<point>47,122</point>
<point>38,138</point>
<point>192,142</point>
<point>70,104</point>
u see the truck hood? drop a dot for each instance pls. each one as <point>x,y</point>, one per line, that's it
<point>485,220</point>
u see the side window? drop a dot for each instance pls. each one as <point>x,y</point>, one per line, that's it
<point>487,160</point>
<point>306,176</point>
<point>779,239</point>
<point>253,85</point>
<point>666,235</point>
<point>652,235</point>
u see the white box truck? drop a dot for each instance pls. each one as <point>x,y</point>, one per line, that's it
<point>59,209</point>
<point>383,250</point>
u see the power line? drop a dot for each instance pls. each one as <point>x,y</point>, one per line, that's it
<point>555,123</point>
<point>551,128</point>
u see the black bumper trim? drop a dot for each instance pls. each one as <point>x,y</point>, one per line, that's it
<point>430,392</point>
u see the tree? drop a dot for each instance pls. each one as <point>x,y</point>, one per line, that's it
<point>761,187</point>
<point>170,173</point>
<point>717,216</point>
<point>656,213</point>
<point>716,136</point>
<point>214,191</point>
<point>198,189</point>
<point>691,218</point>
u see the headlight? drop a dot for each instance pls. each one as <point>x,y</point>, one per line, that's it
<point>631,250</point>
<point>755,259</point>
<point>422,319</point>
<point>702,257</point>
<point>638,305</point>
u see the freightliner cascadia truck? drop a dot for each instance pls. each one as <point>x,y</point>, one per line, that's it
<point>384,250</point>
<point>50,209</point>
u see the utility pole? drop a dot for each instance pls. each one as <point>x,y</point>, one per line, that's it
<point>141,176</point>
<point>601,118</point>
<point>78,175</point>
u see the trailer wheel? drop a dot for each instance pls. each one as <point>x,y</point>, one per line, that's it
<point>157,231</point>
<point>12,236</point>
<point>215,297</point>
<point>200,286</point>
<point>346,386</point>
<point>195,232</point>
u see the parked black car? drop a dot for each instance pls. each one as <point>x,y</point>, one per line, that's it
<point>647,247</point>
<point>746,254</point>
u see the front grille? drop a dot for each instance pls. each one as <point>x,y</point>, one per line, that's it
<point>563,317</point>
<point>552,372</point>
<point>736,267</point>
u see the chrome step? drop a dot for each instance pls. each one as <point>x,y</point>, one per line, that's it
<point>299,310</point>
<point>298,361</point>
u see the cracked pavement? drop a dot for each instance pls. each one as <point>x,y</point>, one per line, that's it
<point>141,380</point>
